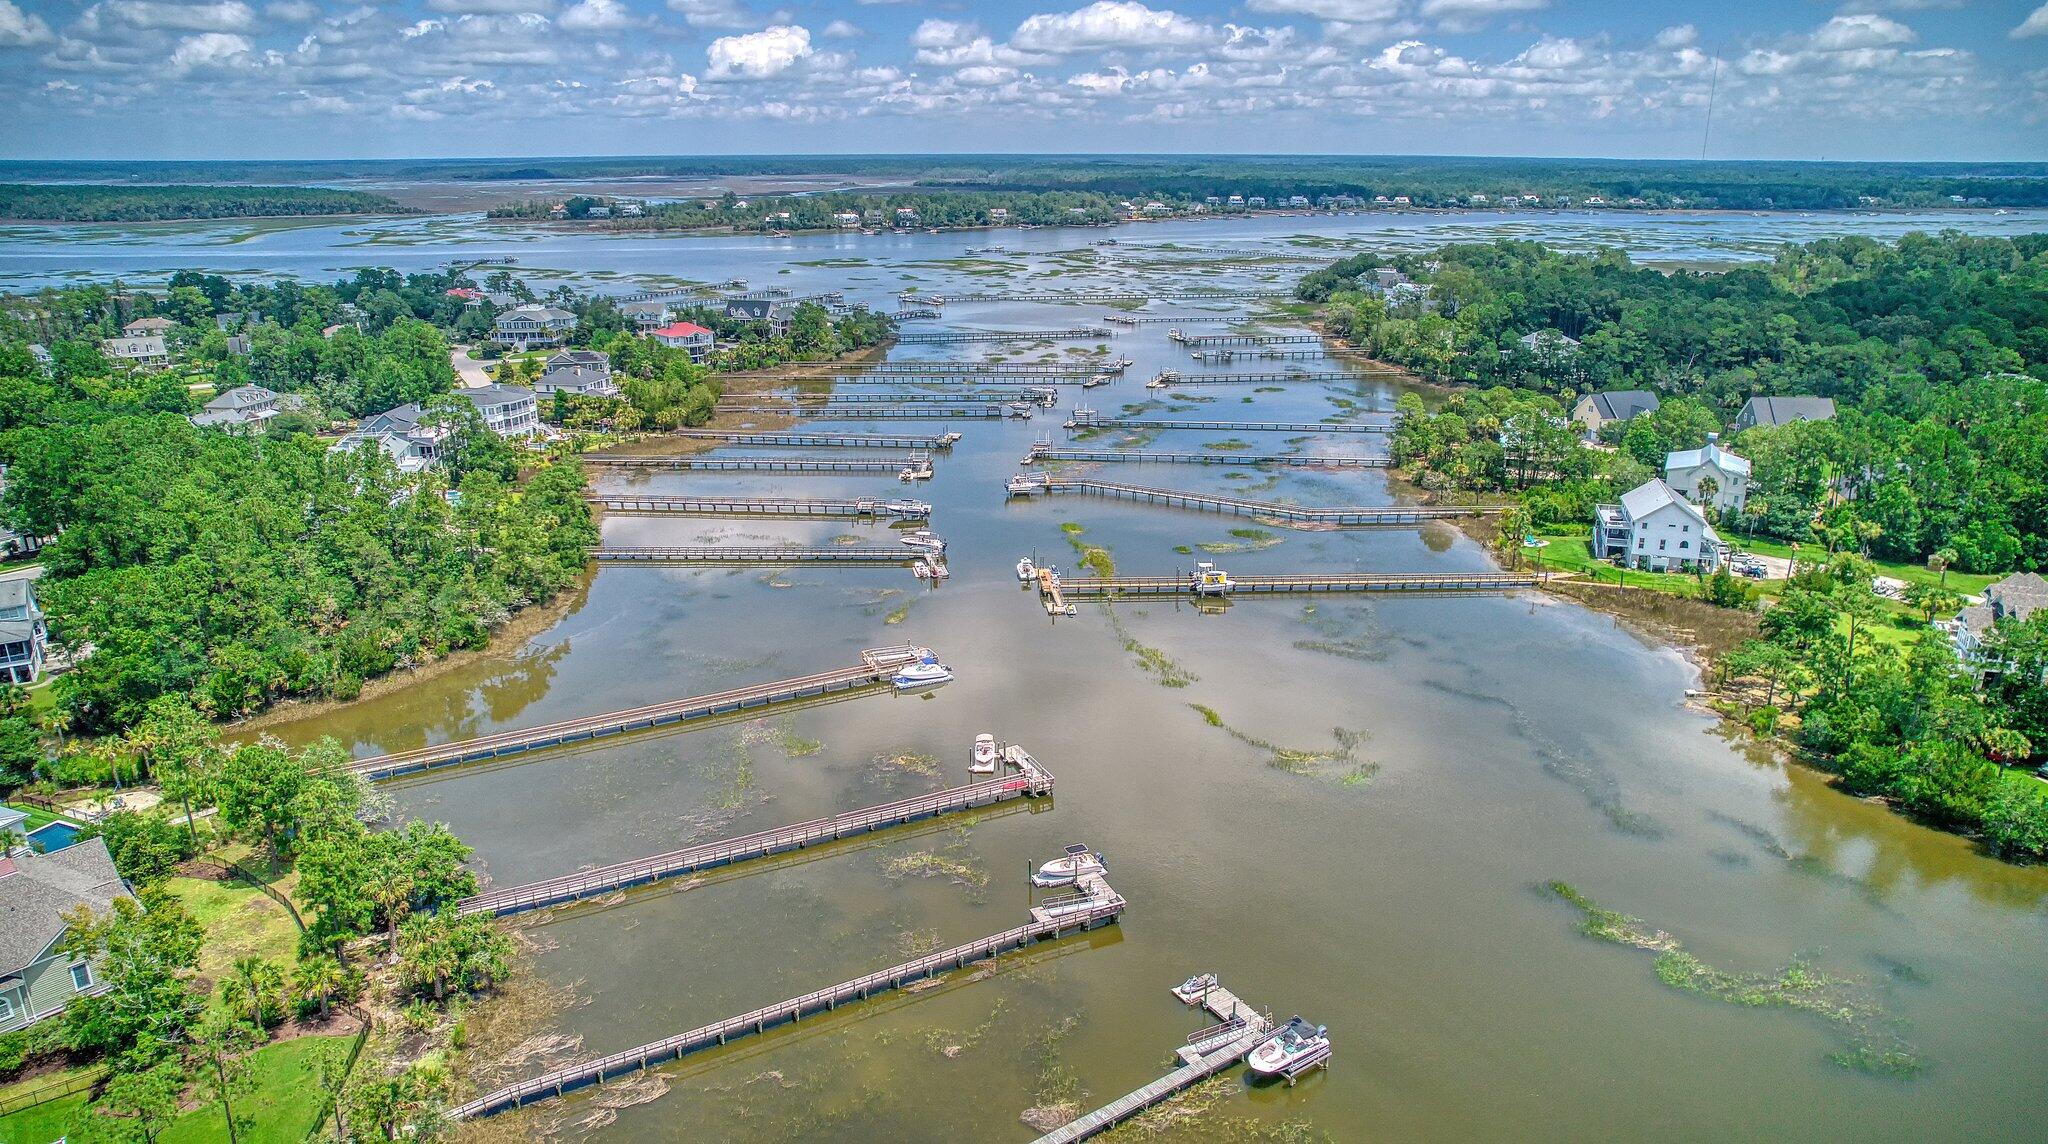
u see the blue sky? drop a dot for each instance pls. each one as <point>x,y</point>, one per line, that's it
<point>1870,79</point>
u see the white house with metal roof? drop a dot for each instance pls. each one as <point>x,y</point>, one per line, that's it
<point>1687,468</point>
<point>1656,530</point>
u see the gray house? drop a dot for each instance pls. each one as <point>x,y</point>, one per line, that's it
<point>35,889</point>
<point>530,326</point>
<point>1783,411</point>
<point>1598,409</point>
<point>24,638</point>
<point>650,313</point>
<point>241,409</point>
<point>774,311</point>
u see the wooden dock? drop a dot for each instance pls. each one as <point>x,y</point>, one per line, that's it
<point>937,337</point>
<point>1225,357</point>
<point>1032,783</point>
<point>1117,296</point>
<point>1182,319</point>
<point>1095,906</point>
<point>970,366</point>
<point>757,554</point>
<point>1296,460</point>
<point>1086,419</point>
<point>1207,1053</point>
<point>876,665</point>
<point>1065,377</point>
<point>823,440</point>
<point>1202,341</point>
<point>893,397</point>
<point>761,506</point>
<point>1268,510</point>
<point>876,412</point>
<point>1267,585</point>
<point>1174,379</point>
<point>706,463</point>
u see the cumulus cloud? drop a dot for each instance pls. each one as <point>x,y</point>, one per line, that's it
<point>1110,24</point>
<point>713,13</point>
<point>841,30</point>
<point>491,7</point>
<point>596,16</point>
<point>2034,25</point>
<point>209,49</point>
<point>1681,36</point>
<point>224,16</point>
<point>758,55</point>
<point>1336,11</point>
<point>20,29</point>
<point>1471,15</point>
<point>1846,33</point>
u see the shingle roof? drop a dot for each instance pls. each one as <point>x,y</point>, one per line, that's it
<point>1622,404</point>
<point>486,396</point>
<point>34,897</point>
<point>242,397</point>
<point>15,592</point>
<point>1785,410</point>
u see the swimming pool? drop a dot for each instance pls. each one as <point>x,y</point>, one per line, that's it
<point>53,836</point>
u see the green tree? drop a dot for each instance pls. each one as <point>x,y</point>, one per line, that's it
<point>220,1047</point>
<point>138,1104</point>
<point>144,953</point>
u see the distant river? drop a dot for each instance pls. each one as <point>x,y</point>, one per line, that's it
<point>1347,807</point>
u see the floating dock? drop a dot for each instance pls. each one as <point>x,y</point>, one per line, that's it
<point>825,440</point>
<point>757,554</point>
<point>762,506</point>
<point>1269,510</point>
<point>937,337</point>
<point>1298,460</point>
<point>1086,419</point>
<point>877,664</point>
<point>707,463</point>
<point>1033,782</point>
<point>1208,1052</point>
<point>1094,906</point>
<point>1267,585</point>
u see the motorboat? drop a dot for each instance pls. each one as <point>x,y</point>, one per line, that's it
<point>1026,570</point>
<point>1121,364</point>
<point>1024,484</point>
<point>1296,1047</point>
<point>1021,410</point>
<point>1194,988</point>
<point>1045,395</point>
<point>1078,862</point>
<point>930,567</point>
<point>948,438</point>
<point>913,509</point>
<point>1211,581</point>
<point>926,539</point>
<point>921,471</point>
<point>1098,379</point>
<point>926,672</point>
<point>986,756</point>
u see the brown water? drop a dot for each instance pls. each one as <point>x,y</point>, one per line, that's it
<point>1393,894</point>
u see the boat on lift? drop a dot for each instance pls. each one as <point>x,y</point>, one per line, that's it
<point>1024,485</point>
<point>908,509</point>
<point>1296,1048</point>
<point>1195,988</point>
<point>1027,570</point>
<point>1210,580</point>
<point>926,539</point>
<point>1078,862</point>
<point>986,756</point>
<point>948,439</point>
<point>919,470</point>
<point>1021,410</point>
<point>930,566</point>
<point>1098,379</point>
<point>926,672</point>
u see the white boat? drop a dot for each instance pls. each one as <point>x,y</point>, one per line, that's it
<point>1019,409</point>
<point>913,509</point>
<point>1297,1046</point>
<point>1098,379</point>
<point>948,438</point>
<point>1211,581</point>
<point>927,672</point>
<point>1023,485</point>
<point>926,539</point>
<point>985,755</point>
<point>1194,988</point>
<point>930,567</point>
<point>1079,862</point>
<point>1026,570</point>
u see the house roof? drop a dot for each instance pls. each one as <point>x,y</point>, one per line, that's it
<point>142,326</point>
<point>241,397</point>
<point>1653,495</point>
<point>1785,410</point>
<point>136,347</point>
<point>594,359</point>
<point>647,307</point>
<point>1712,454</point>
<point>486,396</point>
<point>1622,404</point>
<point>16,592</point>
<point>34,897</point>
<point>681,330</point>
<point>1551,337</point>
<point>574,377</point>
<point>538,314</point>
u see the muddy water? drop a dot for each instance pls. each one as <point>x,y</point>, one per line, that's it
<point>1446,757</point>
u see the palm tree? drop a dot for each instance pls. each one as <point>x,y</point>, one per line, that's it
<point>320,978</point>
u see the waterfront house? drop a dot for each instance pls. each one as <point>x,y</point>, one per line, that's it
<point>775,312</point>
<point>1597,410</point>
<point>846,220</point>
<point>1549,343</point>
<point>585,373</point>
<point>650,313</point>
<point>1656,530</point>
<point>2014,598</point>
<point>525,327</point>
<point>1685,469</point>
<point>999,215</point>
<point>24,638</point>
<point>508,410</point>
<point>241,409</point>
<point>148,352</point>
<point>148,327</point>
<point>686,336</point>
<point>1783,411</point>
<point>37,982</point>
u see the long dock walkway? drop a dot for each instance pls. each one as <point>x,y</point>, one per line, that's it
<point>756,554</point>
<point>903,509</point>
<point>876,412</point>
<point>876,665</point>
<point>1032,783</point>
<point>952,366</point>
<point>1086,419</point>
<point>824,440</point>
<point>1173,379</point>
<point>1265,585</point>
<point>1254,353</point>
<point>937,337</point>
<point>1067,377</point>
<point>706,463</point>
<point>1123,296</point>
<point>1201,341</point>
<point>1298,460</point>
<point>1094,906</point>
<point>1207,1053</point>
<point>1270,510</point>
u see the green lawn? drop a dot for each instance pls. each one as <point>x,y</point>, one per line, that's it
<point>1572,554</point>
<point>37,818</point>
<point>285,1096</point>
<point>239,922</point>
<point>1962,583</point>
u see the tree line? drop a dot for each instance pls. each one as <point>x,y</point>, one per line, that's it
<point>73,202</point>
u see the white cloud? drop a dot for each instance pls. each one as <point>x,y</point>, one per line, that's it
<point>491,7</point>
<point>841,30</point>
<point>1336,11</point>
<point>292,11</point>
<point>1848,33</point>
<point>938,34</point>
<point>596,16</point>
<point>1110,24</point>
<point>224,16</point>
<point>1682,36</point>
<point>758,55</point>
<point>1471,15</point>
<point>2034,25</point>
<point>1552,53</point>
<point>20,29</point>
<point>713,13</point>
<point>952,44</point>
<point>208,49</point>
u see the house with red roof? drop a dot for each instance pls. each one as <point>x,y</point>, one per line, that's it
<point>685,336</point>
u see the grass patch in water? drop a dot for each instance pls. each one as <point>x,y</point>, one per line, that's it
<point>911,761</point>
<point>1192,1114</point>
<point>1094,558</point>
<point>782,735</point>
<point>1294,759</point>
<point>901,613</point>
<point>1056,1094</point>
<point>1150,659</point>
<point>926,864</point>
<point>951,1043</point>
<point>1231,445</point>
<point>1184,550</point>
<point>1874,1046</point>
<point>1249,540</point>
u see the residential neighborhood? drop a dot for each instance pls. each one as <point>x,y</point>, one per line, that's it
<point>37,981</point>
